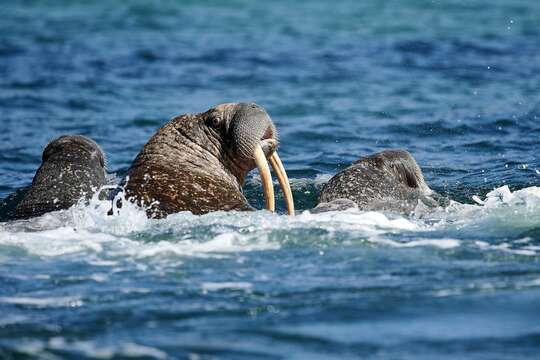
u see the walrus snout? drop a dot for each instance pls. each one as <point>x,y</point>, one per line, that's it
<point>254,136</point>
<point>249,126</point>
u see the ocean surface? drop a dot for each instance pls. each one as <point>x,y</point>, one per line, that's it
<point>455,82</point>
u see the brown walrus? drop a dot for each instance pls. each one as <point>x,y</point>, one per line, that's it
<point>198,162</point>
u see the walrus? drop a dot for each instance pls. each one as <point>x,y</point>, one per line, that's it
<point>390,180</point>
<point>198,162</point>
<point>72,168</point>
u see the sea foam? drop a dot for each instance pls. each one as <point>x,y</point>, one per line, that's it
<point>87,229</point>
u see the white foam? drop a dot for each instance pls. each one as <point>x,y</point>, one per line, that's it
<point>217,286</point>
<point>108,240</point>
<point>60,241</point>
<point>438,243</point>
<point>46,302</point>
<point>92,349</point>
<point>501,213</point>
<point>531,283</point>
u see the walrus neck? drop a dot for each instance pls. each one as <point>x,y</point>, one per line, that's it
<point>235,167</point>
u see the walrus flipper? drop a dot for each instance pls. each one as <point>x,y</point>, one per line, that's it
<point>72,168</point>
<point>389,180</point>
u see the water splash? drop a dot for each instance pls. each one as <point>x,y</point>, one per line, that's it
<point>87,229</point>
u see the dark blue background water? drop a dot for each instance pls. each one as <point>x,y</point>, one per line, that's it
<point>454,82</point>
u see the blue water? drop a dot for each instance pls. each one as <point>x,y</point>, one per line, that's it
<point>455,82</point>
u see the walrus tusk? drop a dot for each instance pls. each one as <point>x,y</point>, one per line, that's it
<point>266,177</point>
<point>283,179</point>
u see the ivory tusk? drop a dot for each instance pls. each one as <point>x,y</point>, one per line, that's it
<point>283,179</point>
<point>266,178</point>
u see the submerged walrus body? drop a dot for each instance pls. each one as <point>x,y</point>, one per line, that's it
<point>72,168</point>
<point>198,162</point>
<point>387,181</point>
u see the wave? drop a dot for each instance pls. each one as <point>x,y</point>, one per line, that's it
<point>503,221</point>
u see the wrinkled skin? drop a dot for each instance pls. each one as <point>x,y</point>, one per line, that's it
<point>387,181</point>
<point>198,162</point>
<point>72,168</point>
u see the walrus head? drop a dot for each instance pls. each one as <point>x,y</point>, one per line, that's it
<point>199,162</point>
<point>72,168</point>
<point>74,146</point>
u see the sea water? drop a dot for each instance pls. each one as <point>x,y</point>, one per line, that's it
<point>454,82</point>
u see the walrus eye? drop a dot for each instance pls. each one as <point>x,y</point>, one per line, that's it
<point>214,120</point>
